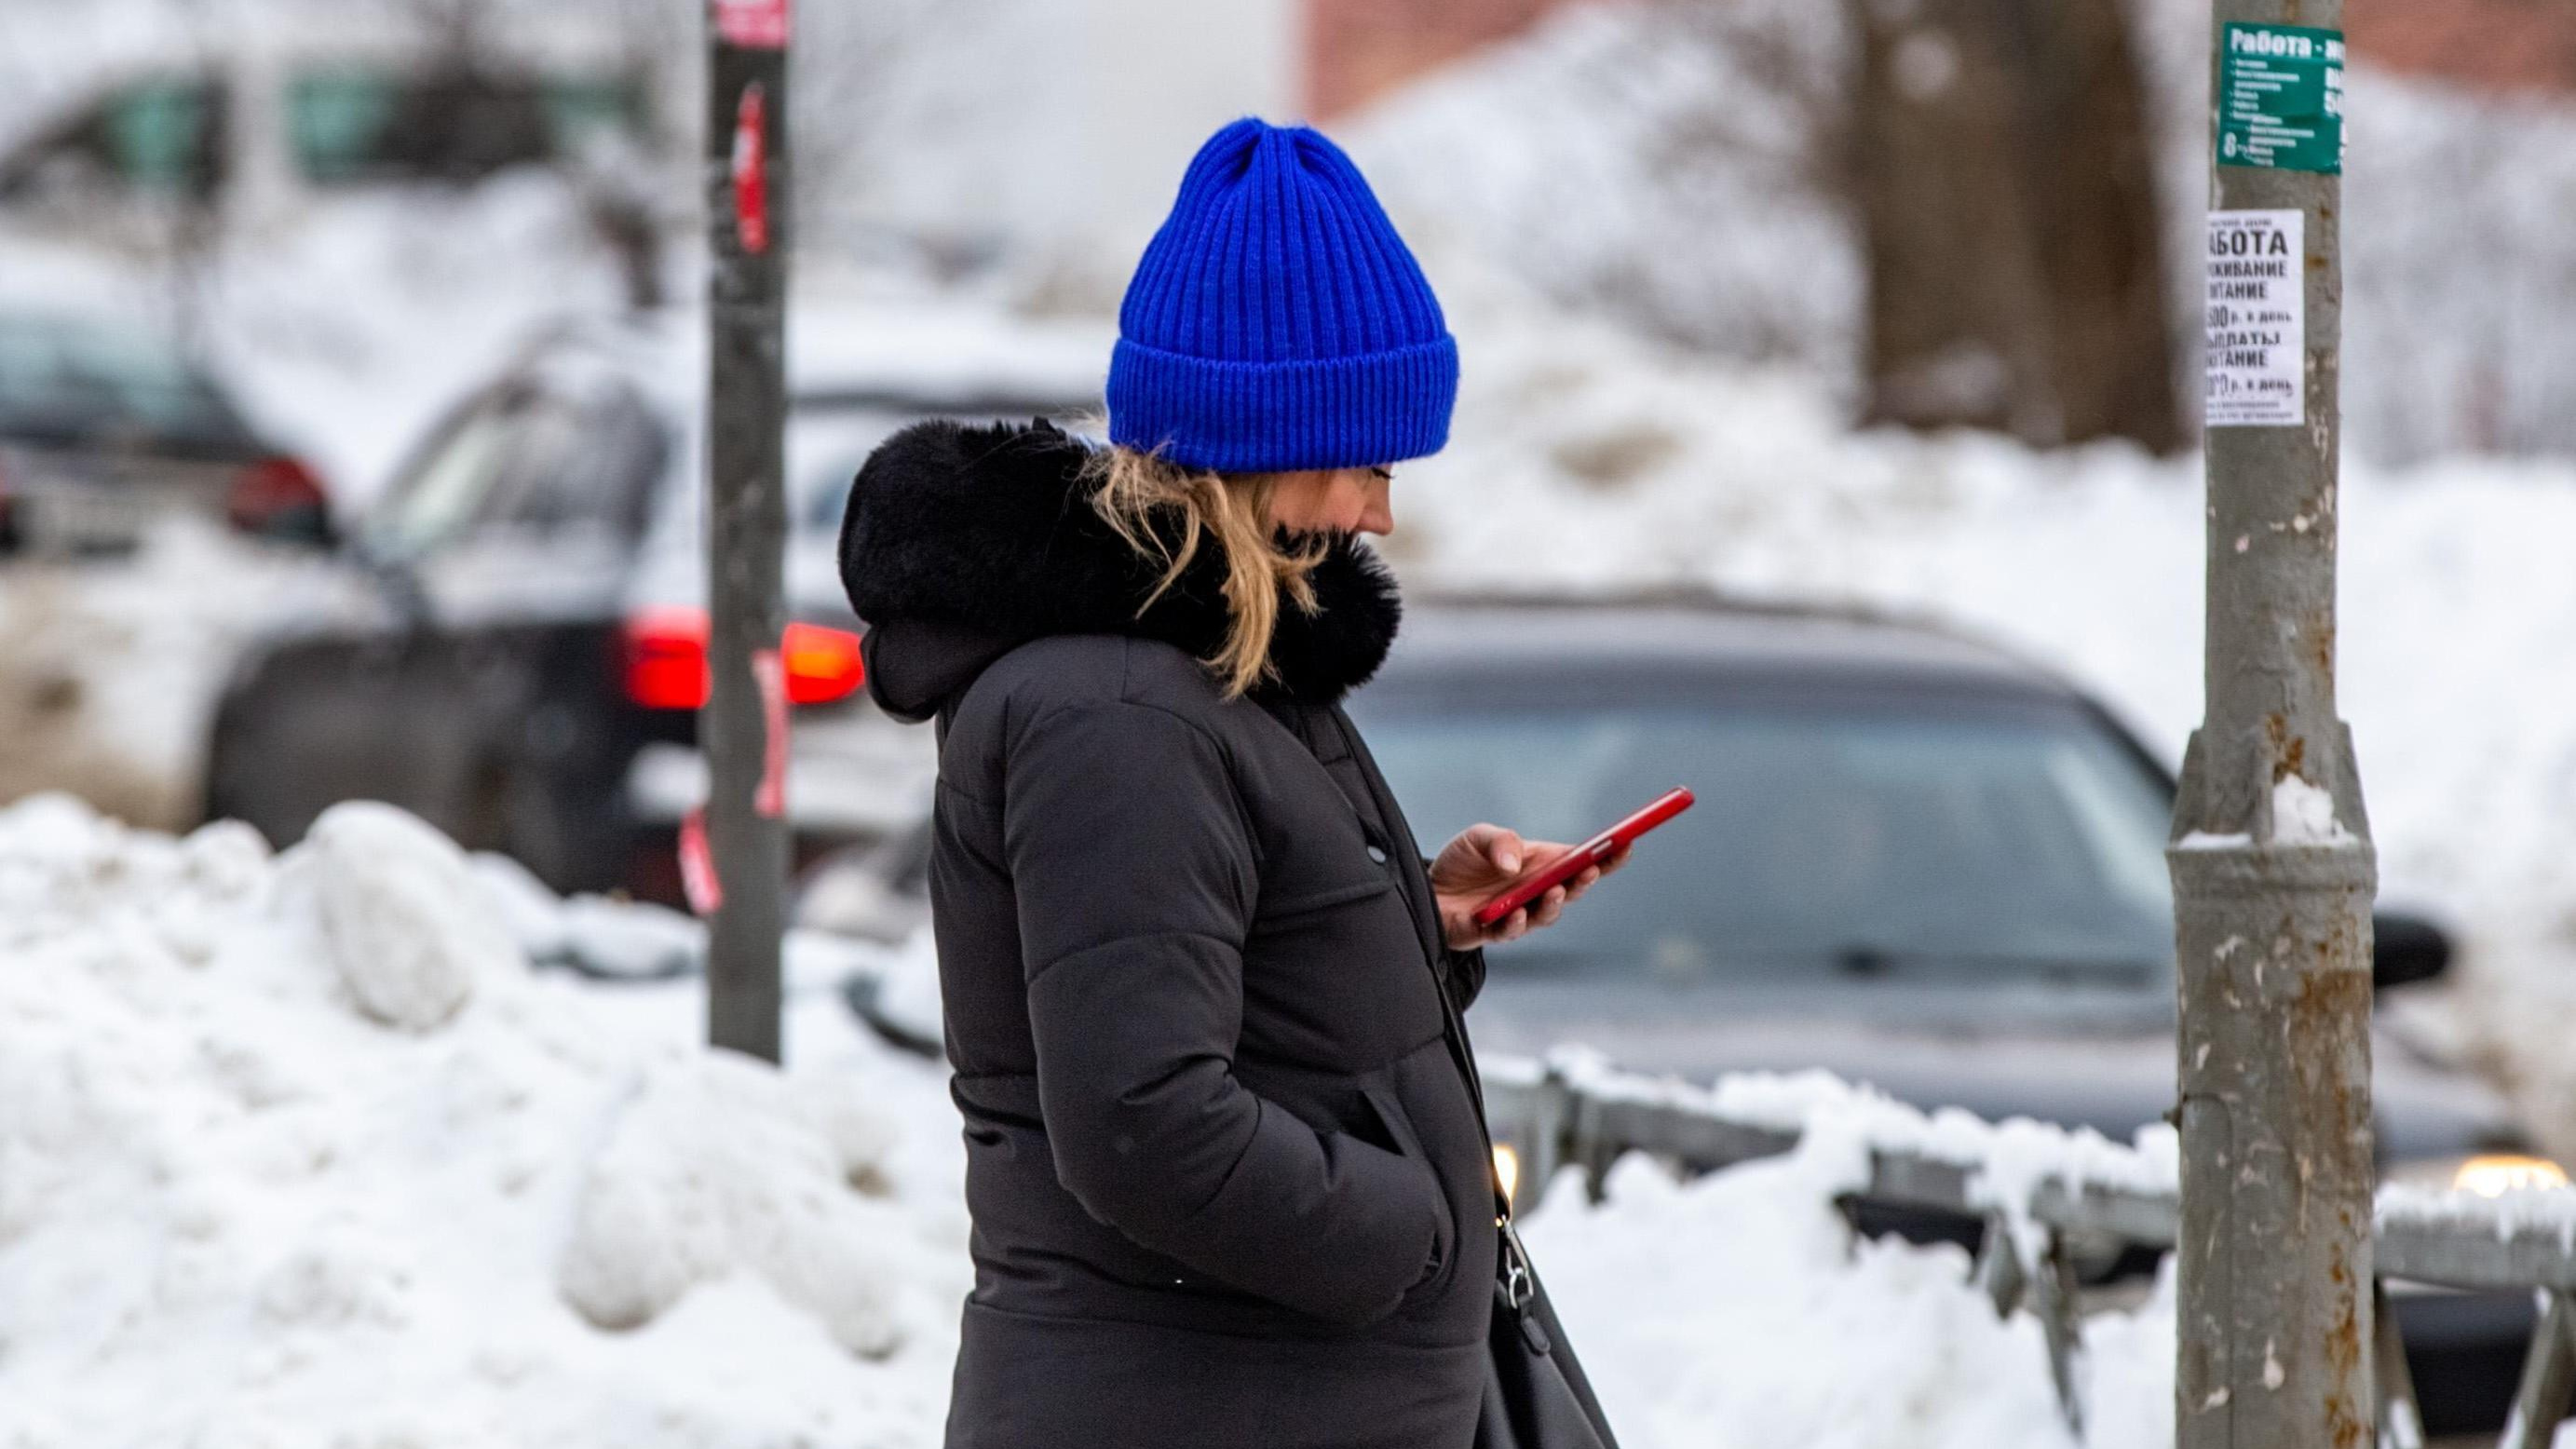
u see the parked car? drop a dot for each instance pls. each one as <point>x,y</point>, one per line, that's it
<point>251,123</point>
<point>1916,861</point>
<point>104,428</point>
<point>514,644</point>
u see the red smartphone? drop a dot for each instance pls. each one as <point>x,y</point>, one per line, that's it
<point>1582,857</point>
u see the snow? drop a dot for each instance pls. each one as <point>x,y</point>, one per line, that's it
<point>2535,1212</point>
<point>1736,1310</point>
<point>2304,814</point>
<point>387,887</point>
<point>908,989</point>
<point>1839,1126</point>
<point>233,1203</point>
<point>719,1166</point>
<point>236,1209</point>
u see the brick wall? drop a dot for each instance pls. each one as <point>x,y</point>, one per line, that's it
<point>1359,50</point>
<point>2516,44</point>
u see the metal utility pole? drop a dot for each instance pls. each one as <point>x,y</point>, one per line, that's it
<point>741,866</point>
<point>2272,863</point>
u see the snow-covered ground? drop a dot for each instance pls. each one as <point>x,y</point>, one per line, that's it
<point>299,1149</point>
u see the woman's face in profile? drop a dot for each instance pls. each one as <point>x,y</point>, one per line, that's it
<point>1334,500</point>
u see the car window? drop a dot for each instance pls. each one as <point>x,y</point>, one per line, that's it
<point>161,135</point>
<point>587,464</point>
<point>348,125</point>
<point>1827,839</point>
<point>438,496</point>
<point>525,460</point>
<point>80,383</point>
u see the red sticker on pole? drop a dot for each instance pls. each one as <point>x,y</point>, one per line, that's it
<point>751,171</point>
<point>698,878</point>
<point>753,24</point>
<point>770,669</point>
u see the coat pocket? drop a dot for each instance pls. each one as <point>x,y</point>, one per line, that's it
<point>1304,902</point>
<point>1399,1128</point>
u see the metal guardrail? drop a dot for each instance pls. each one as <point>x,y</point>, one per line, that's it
<point>2039,1209</point>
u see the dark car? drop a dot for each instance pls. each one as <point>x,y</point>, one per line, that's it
<point>514,647</point>
<point>105,428</point>
<point>1916,861</point>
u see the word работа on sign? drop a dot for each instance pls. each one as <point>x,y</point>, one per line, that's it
<point>2257,320</point>
<point>2280,98</point>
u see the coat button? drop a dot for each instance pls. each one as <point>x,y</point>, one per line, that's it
<point>1377,855</point>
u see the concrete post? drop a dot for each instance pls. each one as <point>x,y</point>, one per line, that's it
<point>2272,863</point>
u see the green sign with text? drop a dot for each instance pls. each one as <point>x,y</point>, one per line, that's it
<point>2280,98</point>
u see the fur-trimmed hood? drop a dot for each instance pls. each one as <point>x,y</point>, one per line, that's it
<point>961,543</point>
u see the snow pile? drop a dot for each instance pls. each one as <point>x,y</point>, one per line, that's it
<point>231,1200</point>
<point>233,1204</point>
<point>722,1165</point>
<point>388,885</point>
<point>1736,1309</point>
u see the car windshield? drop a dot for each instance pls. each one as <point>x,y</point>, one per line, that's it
<point>1830,838</point>
<point>72,383</point>
<point>355,124</point>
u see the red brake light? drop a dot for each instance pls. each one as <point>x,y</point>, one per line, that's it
<point>666,658</point>
<point>666,661</point>
<point>278,494</point>
<point>822,664</point>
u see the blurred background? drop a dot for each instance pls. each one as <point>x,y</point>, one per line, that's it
<point>351,382</point>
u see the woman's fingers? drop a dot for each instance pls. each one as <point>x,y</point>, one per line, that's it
<point>1549,907</point>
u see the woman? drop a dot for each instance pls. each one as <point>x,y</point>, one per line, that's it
<point>1229,1184</point>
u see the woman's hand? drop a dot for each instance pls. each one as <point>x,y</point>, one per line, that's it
<point>1473,868</point>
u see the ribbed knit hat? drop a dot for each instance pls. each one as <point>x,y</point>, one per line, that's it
<point>1277,322</point>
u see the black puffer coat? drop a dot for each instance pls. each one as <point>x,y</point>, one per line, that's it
<point>1229,1183</point>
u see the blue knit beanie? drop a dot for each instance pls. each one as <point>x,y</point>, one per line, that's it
<point>1277,322</point>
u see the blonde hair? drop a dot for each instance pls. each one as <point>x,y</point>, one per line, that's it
<point>1129,490</point>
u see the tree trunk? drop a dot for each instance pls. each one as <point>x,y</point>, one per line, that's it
<point>2008,197</point>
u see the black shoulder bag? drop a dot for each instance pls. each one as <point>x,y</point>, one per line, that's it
<point>1536,1396</point>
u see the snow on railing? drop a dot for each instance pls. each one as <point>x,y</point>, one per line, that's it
<point>2047,1196</point>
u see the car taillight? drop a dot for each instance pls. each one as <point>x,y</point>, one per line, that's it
<point>281,498</point>
<point>822,664</point>
<point>666,661</point>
